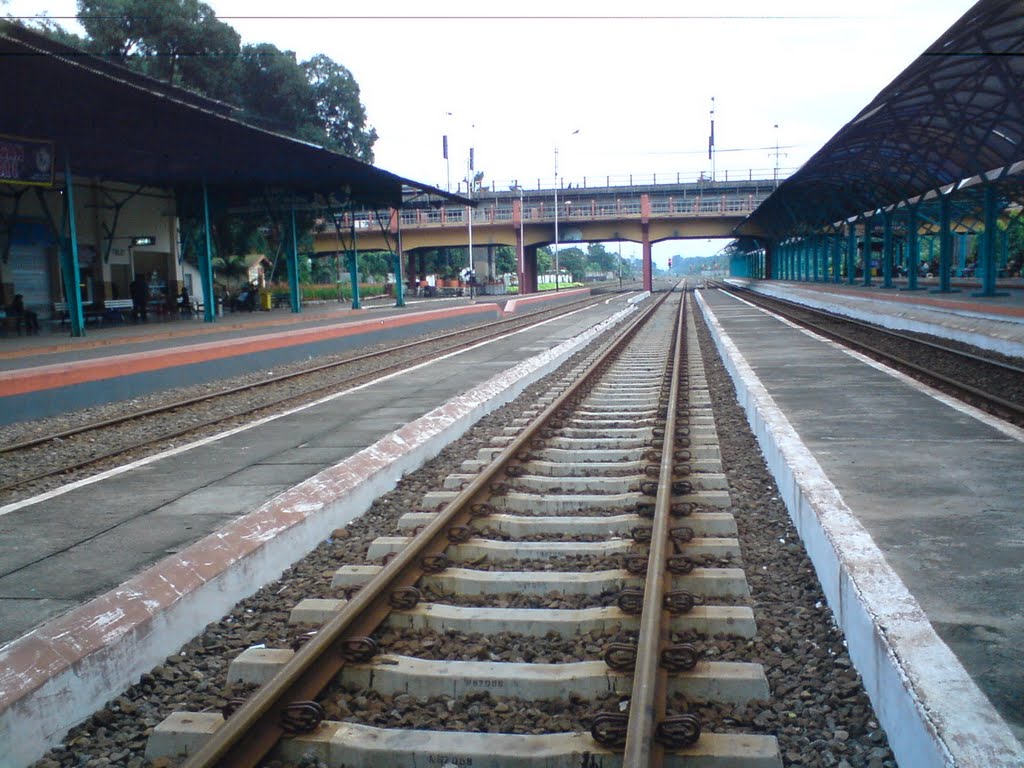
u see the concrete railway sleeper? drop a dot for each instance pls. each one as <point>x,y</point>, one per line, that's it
<point>600,518</point>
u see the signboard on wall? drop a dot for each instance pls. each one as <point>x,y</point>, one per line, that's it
<point>26,161</point>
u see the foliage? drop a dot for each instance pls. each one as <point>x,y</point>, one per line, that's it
<point>313,292</point>
<point>573,261</point>
<point>504,260</point>
<point>1015,245</point>
<point>182,42</point>
<point>545,261</point>
<point>600,259</point>
<point>337,106</point>
<point>232,269</point>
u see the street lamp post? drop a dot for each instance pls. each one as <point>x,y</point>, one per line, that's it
<point>521,265</point>
<point>556,218</point>
<point>557,184</point>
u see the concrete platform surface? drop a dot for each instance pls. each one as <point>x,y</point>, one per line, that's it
<point>989,322</point>
<point>910,507</point>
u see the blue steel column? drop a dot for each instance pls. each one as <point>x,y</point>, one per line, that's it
<point>851,252</point>
<point>815,252</point>
<point>353,264</point>
<point>837,256</point>
<point>868,227</point>
<point>886,249</point>
<point>399,281</point>
<point>293,268</point>
<point>913,251</point>
<point>206,264</point>
<point>988,245</point>
<point>945,246</point>
<point>69,258</point>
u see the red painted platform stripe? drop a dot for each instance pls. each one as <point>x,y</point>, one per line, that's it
<point>66,374</point>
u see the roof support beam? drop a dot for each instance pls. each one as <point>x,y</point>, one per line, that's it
<point>69,256</point>
<point>206,262</point>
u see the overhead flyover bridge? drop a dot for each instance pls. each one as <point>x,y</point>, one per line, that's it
<point>528,219</point>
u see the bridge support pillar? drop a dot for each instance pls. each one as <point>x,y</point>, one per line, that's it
<point>648,267</point>
<point>645,236</point>
<point>528,280</point>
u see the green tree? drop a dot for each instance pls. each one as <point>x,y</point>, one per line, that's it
<point>181,42</point>
<point>573,261</point>
<point>600,259</point>
<point>504,260</point>
<point>339,111</point>
<point>274,92</point>
<point>545,261</point>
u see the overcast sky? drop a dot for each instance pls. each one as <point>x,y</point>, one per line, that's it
<point>635,78</point>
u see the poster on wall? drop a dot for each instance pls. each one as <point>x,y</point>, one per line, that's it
<point>26,161</point>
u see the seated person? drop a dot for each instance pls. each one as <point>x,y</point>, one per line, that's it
<point>246,299</point>
<point>185,302</point>
<point>28,318</point>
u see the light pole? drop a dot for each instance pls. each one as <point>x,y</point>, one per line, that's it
<point>620,265</point>
<point>557,184</point>
<point>556,218</point>
<point>521,265</point>
<point>447,163</point>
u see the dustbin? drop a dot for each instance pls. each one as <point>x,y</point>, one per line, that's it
<point>264,299</point>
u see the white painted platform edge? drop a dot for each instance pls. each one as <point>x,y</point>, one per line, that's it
<point>933,712</point>
<point>896,316</point>
<point>38,718</point>
<point>639,297</point>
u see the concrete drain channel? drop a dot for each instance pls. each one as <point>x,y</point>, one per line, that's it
<point>552,549</point>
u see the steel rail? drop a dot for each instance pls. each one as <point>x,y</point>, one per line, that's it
<point>1015,408</point>
<point>650,680</point>
<point>285,377</point>
<point>249,734</point>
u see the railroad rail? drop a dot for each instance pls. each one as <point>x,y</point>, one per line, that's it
<point>589,498</point>
<point>987,382</point>
<point>236,403</point>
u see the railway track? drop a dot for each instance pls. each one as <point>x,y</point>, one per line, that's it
<point>60,454</point>
<point>554,593</point>
<point>987,382</point>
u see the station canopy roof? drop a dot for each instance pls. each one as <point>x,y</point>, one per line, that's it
<point>111,123</point>
<point>954,117</point>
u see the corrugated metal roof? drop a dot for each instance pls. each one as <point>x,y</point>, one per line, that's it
<point>113,123</point>
<point>955,113</point>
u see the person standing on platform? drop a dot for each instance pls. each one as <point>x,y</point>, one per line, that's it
<point>140,298</point>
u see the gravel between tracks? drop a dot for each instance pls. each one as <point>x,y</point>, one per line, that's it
<point>819,710</point>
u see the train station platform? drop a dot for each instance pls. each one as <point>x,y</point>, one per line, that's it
<point>103,578</point>
<point>49,373</point>
<point>908,504</point>
<point>987,322</point>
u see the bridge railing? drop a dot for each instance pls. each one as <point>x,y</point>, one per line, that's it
<point>596,209</point>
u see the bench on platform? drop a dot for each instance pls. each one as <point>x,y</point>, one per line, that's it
<point>112,312</point>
